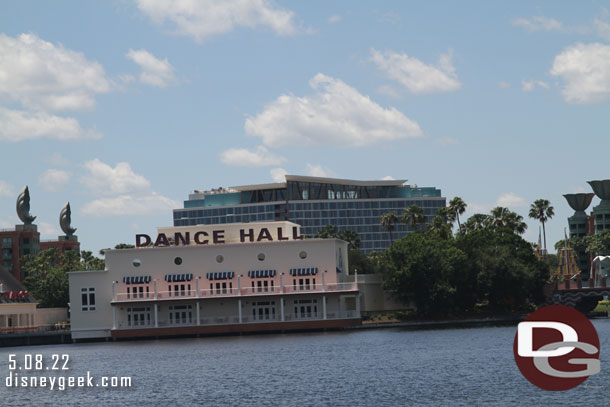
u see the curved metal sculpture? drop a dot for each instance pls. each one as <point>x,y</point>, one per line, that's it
<point>601,188</point>
<point>65,218</point>
<point>579,202</point>
<point>23,207</point>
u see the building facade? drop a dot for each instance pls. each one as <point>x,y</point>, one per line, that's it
<point>314,203</point>
<point>224,278</point>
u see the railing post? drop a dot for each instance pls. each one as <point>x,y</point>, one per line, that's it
<point>156,315</point>
<point>198,313</point>
<point>323,281</point>
<point>323,307</point>
<point>239,310</point>
<point>155,287</point>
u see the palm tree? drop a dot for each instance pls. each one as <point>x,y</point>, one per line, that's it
<point>542,210</point>
<point>413,215</point>
<point>388,220</point>
<point>505,218</point>
<point>457,206</point>
<point>475,222</point>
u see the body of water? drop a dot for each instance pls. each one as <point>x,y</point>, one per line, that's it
<point>389,367</point>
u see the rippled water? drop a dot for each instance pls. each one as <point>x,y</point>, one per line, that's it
<point>390,367</point>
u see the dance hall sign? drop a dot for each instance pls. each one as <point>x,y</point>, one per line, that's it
<point>220,234</point>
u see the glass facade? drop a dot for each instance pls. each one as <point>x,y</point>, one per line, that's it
<point>314,205</point>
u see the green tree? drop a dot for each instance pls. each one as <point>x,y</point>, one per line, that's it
<point>475,222</point>
<point>457,207</point>
<point>542,210</point>
<point>413,216</point>
<point>47,278</point>
<point>442,223</point>
<point>388,220</point>
<point>598,243</point>
<point>503,218</point>
<point>347,235</point>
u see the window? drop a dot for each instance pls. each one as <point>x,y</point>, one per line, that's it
<point>219,259</point>
<point>261,256</point>
<point>180,314</point>
<point>263,310</point>
<point>303,254</point>
<point>178,261</point>
<point>138,316</point>
<point>137,262</point>
<point>87,299</point>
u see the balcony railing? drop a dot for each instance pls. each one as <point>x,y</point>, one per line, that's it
<point>231,320</point>
<point>235,292</point>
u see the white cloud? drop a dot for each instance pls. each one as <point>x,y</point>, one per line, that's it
<point>102,179</point>
<point>278,174</point>
<point>388,178</point>
<point>503,85</point>
<point>54,180</point>
<point>334,19</point>
<point>337,115</point>
<point>204,18</point>
<point>241,157</point>
<point>539,23</point>
<point>18,125</point>
<point>155,72</point>
<point>319,171</point>
<point>416,76</point>
<point>48,230</point>
<point>529,86</point>
<point>511,200</point>
<point>41,75</point>
<point>130,205</point>
<point>6,189</point>
<point>121,191</point>
<point>585,69</point>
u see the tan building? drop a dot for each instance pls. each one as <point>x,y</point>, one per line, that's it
<point>215,279</point>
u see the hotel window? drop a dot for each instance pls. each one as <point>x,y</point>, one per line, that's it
<point>263,310</point>
<point>87,299</point>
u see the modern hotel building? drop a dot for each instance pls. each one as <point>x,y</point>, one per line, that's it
<point>314,203</point>
<point>216,279</point>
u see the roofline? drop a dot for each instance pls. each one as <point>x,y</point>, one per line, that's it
<point>322,180</point>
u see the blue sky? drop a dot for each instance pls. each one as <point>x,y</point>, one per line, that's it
<point>124,107</point>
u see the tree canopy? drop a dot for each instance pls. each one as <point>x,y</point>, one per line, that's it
<point>47,278</point>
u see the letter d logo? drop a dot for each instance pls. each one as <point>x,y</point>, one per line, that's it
<point>556,348</point>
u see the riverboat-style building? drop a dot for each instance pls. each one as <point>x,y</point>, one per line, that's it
<point>226,278</point>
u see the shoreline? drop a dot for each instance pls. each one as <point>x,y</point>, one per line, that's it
<point>64,338</point>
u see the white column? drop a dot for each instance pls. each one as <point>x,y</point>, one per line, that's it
<point>197,295</point>
<point>323,281</point>
<point>282,306</point>
<point>323,307</point>
<point>198,307</point>
<point>356,279</point>
<point>113,293</point>
<point>239,310</point>
<point>156,315</point>
<point>155,287</point>
<point>113,307</point>
<point>282,284</point>
<point>239,290</point>
<point>358,305</point>
<point>18,319</point>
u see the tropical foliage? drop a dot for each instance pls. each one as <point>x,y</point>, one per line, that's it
<point>47,278</point>
<point>542,210</point>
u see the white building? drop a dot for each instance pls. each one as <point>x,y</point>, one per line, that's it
<point>216,279</point>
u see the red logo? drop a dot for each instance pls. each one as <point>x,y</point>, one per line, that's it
<point>556,348</point>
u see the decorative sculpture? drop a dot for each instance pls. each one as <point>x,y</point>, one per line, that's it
<point>65,219</point>
<point>23,207</point>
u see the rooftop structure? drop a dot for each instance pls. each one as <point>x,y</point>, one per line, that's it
<point>313,203</point>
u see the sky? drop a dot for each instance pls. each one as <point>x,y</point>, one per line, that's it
<point>124,107</point>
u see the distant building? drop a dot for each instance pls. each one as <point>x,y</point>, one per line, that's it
<point>314,203</point>
<point>25,239</point>
<point>225,278</point>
